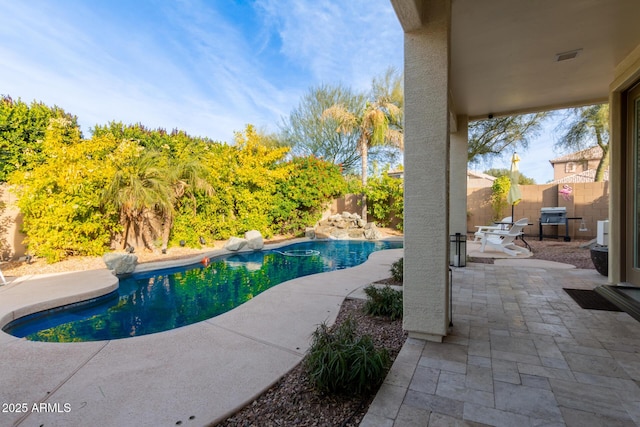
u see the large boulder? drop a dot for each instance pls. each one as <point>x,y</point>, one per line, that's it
<point>309,233</point>
<point>120,263</point>
<point>371,232</point>
<point>254,240</point>
<point>235,244</point>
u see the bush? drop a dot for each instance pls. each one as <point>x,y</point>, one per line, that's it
<point>341,362</point>
<point>397,270</point>
<point>385,200</point>
<point>383,302</point>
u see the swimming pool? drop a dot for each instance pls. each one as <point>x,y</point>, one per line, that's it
<point>160,300</point>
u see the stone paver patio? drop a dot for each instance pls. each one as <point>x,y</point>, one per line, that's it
<point>521,353</point>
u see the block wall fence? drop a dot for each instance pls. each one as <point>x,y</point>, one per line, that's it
<point>587,200</point>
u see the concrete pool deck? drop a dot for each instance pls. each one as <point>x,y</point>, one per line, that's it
<point>190,376</point>
<point>521,352</point>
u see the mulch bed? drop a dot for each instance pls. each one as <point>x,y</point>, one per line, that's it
<point>292,401</point>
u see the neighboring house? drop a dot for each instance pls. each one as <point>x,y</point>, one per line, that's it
<point>586,176</point>
<point>577,167</point>
<point>479,180</point>
<point>467,60</point>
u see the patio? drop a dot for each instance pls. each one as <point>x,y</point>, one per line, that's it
<point>521,352</point>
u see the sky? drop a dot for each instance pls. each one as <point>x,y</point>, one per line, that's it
<point>208,67</point>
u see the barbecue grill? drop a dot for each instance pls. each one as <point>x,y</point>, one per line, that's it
<point>556,216</point>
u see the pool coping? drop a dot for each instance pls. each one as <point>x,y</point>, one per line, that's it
<point>206,370</point>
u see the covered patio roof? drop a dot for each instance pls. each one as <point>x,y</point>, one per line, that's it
<point>505,53</point>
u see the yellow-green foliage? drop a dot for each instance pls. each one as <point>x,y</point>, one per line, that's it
<point>60,198</point>
<point>81,194</point>
<point>499,191</point>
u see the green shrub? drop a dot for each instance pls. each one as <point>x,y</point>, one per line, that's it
<point>397,270</point>
<point>383,302</point>
<point>341,362</point>
<point>385,200</point>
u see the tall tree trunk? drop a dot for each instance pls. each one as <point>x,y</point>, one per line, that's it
<point>166,230</point>
<point>604,161</point>
<point>364,153</point>
<point>603,165</point>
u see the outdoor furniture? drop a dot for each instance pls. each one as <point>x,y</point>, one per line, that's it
<point>502,225</point>
<point>505,240</point>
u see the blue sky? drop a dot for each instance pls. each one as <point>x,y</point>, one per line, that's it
<point>208,67</point>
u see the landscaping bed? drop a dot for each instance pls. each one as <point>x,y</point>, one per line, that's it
<point>292,401</point>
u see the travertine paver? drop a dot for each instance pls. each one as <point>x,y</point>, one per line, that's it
<point>521,352</point>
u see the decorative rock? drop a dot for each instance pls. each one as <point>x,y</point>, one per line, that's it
<point>309,233</point>
<point>120,263</point>
<point>235,244</point>
<point>339,234</point>
<point>371,232</point>
<point>323,232</point>
<point>360,222</point>
<point>254,240</point>
<point>356,233</point>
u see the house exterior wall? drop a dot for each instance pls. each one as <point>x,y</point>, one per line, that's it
<point>11,246</point>
<point>426,204</point>
<point>627,74</point>
<point>560,168</point>
<point>458,177</point>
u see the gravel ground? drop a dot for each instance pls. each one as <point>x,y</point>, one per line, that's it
<point>292,401</point>
<point>575,252</point>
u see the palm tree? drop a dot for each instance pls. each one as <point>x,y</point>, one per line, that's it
<point>379,123</point>
<point>141,188</point>
<point>187,176</point>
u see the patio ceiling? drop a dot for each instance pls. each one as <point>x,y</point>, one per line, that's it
<point>503,52</point>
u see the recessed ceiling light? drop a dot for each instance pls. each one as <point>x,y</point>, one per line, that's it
<point>565,56</point>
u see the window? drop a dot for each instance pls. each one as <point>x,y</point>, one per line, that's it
<point>570,167</point>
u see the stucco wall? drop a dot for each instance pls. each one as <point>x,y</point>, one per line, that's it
<point>11,238</point>
<point>587,200</point>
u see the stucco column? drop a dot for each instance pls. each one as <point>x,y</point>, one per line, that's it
<point>458,177</point>
<point>426,161</point>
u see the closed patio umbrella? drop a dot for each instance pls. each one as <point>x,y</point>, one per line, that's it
<point>515,196</point>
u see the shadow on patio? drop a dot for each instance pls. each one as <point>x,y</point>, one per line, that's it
<point>521,353</point>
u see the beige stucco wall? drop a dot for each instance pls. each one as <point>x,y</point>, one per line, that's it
<point>426,204</point>
<point>627,74</point>
<point>588,200</point>
<point>11,238</point>
<point>560,169</point>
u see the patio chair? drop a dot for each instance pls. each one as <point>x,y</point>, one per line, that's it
<point>505,240</point>
<point>502,225</point>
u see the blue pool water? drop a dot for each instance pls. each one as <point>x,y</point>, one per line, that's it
<point>160,300</point>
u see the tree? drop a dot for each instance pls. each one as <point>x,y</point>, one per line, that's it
<point>490,137</point>
<point>522,180</point>
<point>378,123</point>
<point>140,188</point>
<point>308,134</point>
<point>22,130</point>
<point>585,126</point>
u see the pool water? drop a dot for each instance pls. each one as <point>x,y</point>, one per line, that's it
<point>160,300</point>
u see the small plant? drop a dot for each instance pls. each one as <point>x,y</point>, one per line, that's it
<point>383,302</point>
<point>341,362</point>
<point>397,269</point>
